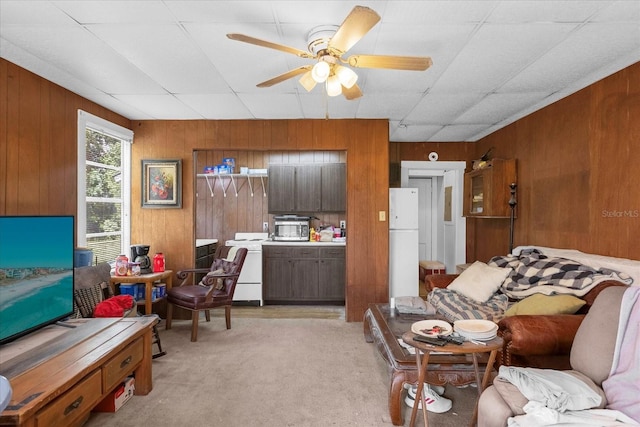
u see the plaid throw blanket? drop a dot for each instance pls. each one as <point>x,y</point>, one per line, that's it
<point>533,272</point>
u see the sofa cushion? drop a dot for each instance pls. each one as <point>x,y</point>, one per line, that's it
<point>546,304</point>
<point>455,306</point>
<point>480,281</point>
<point>594,343</point>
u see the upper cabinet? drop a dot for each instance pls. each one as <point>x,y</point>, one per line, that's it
<point>310,188</point>
<point>487,190</point>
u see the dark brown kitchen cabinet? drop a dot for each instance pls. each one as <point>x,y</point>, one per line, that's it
<point>334,187</point>
<point>307,188</point>
<point>331,273</point>
<point>282,179</point>
<point>302,274</point>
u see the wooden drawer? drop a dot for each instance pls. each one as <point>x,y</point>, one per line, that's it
<point>121,365</point>
<point>68,408</point>
<point>332,252</point>
<point>305,252</point>
<point>278,251</point>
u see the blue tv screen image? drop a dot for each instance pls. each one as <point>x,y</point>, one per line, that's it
<point>36,272</point>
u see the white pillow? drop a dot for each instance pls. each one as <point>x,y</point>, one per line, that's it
<point>480,281</point>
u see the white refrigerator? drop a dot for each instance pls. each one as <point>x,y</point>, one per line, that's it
<point>403,243</point>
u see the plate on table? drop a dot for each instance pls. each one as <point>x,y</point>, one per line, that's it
<point>476,329</point>
<point>431,328</point>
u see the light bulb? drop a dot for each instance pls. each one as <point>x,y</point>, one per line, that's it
<point>334,88</point>
<point>320,71</point>
<point>307,81</point>
<point>346,76</point>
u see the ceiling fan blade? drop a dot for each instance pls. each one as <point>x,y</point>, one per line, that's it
<point>264,43</point>
<point>353,92</point>
<point>358,23</point>
<point>285,76</point>
<point>413,63</point>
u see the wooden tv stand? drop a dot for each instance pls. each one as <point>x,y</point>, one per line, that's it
<point>58,381</point>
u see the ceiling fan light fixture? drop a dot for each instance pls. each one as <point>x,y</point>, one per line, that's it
<point>320,71</point>
<point>346,76</point>
<point>307,81</point>
<point>334,88</point>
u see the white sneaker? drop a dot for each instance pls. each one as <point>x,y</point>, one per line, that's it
<point>435,403</point>
<point>413,388</point>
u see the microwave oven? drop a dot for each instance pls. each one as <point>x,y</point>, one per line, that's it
<point>290,228</point>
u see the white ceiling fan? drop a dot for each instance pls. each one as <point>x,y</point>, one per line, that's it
<point>327,45</point>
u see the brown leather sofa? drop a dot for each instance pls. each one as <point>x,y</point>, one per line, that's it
<point>539,341</point>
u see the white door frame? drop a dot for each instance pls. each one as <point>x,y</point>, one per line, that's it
<point>420,169</point>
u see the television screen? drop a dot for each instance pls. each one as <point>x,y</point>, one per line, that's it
<point>36,272</point>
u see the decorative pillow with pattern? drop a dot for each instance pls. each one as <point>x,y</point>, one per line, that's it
<point>219,284</point>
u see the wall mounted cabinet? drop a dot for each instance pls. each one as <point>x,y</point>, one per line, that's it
<point>487,191</point>
<point>310,188</point>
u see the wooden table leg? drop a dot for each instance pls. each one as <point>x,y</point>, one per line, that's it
<point>422,370</point>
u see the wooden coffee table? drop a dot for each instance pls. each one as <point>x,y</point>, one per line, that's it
<point>385,328</point>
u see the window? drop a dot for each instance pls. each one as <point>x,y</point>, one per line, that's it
<point>104,187</point>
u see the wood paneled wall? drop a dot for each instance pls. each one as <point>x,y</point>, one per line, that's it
<point>576,173</point>
<point>365,142</point>
<point>38,143</point>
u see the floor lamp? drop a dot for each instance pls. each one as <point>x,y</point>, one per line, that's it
<point>512,204</point>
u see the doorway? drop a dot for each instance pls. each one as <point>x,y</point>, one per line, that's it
<point>442,226</point>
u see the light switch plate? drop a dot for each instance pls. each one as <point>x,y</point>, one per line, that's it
<point>382,216</point>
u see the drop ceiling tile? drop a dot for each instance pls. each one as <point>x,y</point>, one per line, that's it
<point>562,11</point>
<point>20,12</point>
<point>456,133</point>
<point>413,133</point>
<point>583,53</point>
<point>82,55</point>
<point>103,11</point>
<point>160,107</point>
<point>441,109</point>
<point>319,12</point>
<point>216,106</point>
<point>496,53</point>
<point>496,107</point>
<point>619,11</point>
<point>437,12</point>
<point>221,11</point>
<point>272,106</point>
<point>394,106</point>
<point>166,54</point>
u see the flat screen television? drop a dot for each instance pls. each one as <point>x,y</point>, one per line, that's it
<point>36,273</point>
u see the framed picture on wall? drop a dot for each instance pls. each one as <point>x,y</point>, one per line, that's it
<point>161,183</point>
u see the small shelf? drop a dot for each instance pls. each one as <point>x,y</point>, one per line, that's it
<point>212,178</point>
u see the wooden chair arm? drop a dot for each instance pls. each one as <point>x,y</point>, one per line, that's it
<point>210,279</point>
<point>184,274</point>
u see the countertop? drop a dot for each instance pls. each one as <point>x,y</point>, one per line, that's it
<point>316,244</point>
<point>204,242</point>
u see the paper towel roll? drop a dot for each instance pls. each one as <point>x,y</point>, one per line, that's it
<point>433,156</point>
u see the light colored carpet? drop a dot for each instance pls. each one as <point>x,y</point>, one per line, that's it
<point>270,372</point>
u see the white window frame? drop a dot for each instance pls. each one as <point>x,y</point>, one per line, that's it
<point>126,135</point>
